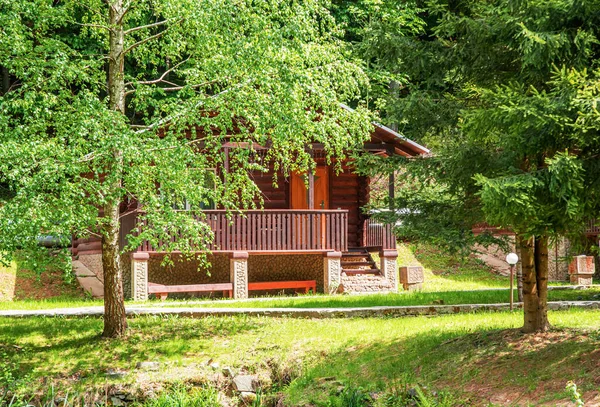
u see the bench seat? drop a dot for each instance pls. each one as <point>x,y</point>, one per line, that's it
<point>305,285</point>
<point>162,291</point>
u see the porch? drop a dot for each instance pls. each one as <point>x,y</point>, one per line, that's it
<point>274,245</point>
<point>279,231</point>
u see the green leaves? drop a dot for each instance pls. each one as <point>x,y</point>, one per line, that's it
<point>197,75</point>
<point>505,94</point>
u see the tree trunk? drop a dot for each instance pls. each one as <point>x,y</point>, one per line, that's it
<point>519,267</point>
<point>541,272</point>
<point>115,322</point>
<point>534,260</point>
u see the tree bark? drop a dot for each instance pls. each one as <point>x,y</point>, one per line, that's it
<point>115,322</point>
<point>541,272</point>
<point>519,267</point>
<point>534,260</point>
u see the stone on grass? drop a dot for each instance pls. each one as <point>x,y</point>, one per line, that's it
<point>115,374</point>
<point>243,383</point>
<point>149,366</point>
<point>117,402</point>
<point>228,372</point>
<point>248,396</point>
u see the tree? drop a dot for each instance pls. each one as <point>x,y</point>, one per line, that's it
<point>503,92</point>
<point>115,100</point>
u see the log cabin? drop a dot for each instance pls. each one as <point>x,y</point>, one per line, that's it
<point>309,236</point>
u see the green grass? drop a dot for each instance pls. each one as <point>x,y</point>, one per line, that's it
<point>400,299</point>
<point>475,357</point>
<point>490,296</point>
<point>444,272</point>
<point>47,303</point>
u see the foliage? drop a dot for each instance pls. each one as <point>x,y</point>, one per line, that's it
<point>504,93</point>
<point>575,396</point>
<point>179,396</point>
<point>196,75</point>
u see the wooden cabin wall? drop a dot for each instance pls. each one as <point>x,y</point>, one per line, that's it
<point>273,197</point>
<point>347,191</point>
<point>344,193</point>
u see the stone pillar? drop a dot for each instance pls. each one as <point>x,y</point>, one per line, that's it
<point>388,260</point>
<point>412,277</point>
<point>139,276</point>
<point>238,274</point>
<point>332,272</point>
<point>581,270</point>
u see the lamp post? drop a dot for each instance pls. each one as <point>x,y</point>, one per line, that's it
<point>512,259</point>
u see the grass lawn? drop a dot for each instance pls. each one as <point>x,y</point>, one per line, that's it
<point>373,300</point>
<point>448,280</point>
<point>321,301</point>
<point>470,359</point>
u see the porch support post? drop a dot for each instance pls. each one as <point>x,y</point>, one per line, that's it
<point>391,181</point>
<point>311,190</point>
<point>388,260</point>
<point>310,194</point>
<point>139,276</point>
<point>238,274</point>
<point>332,272</point>
<point>391,192</point>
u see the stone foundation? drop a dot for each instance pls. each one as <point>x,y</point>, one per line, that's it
<point>260,268</point>
<point>285,268</point>
<point>139,276</point>
<point>365,283</point>
<point>388,260</point>
<point>332,272</point>
<point>238,274</point>
<point>94,263</point>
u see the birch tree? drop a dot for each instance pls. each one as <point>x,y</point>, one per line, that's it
<point>110,101</point>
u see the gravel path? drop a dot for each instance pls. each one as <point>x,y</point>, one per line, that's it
<point>197,312</point>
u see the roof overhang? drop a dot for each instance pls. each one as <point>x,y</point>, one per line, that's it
<point>387,141</point>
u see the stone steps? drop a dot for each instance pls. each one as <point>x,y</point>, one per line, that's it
<point>364,283</point>
<point>358,261</point>
<point>88,280</point>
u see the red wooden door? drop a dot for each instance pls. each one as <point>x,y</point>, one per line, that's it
<point>313,224</point>
<point>299,190</point>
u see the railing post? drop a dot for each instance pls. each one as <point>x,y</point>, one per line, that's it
<point>332,272</point>
<point>238,274</point>
<point>139,276</point>
<point>388,259</point>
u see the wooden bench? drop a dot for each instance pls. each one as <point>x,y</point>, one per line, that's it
<point>162,291</point>
<point>305,286</point>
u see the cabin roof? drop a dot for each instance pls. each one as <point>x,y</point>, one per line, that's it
<point>385,135</point>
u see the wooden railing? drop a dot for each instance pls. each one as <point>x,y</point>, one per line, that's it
<point>378,234</point>
<point>275,231</point>
<point>592,228</point>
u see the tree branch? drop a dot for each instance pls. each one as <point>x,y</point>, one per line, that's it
<point>143,27</point>
<point>104,27</point>
<point>160,79</point>
<point>145,40</point>
<point>166,120</point>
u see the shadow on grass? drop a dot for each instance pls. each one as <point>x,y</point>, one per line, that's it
<point>477,368</point>
<point>60,348</point>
